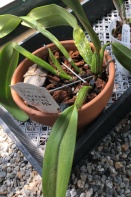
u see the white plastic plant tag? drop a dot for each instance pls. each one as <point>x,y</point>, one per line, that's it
<point>126,35</point>
<point>35,96</point>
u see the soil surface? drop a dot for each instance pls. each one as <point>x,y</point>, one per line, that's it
<point>67,95</point>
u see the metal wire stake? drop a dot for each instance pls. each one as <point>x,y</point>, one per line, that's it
<point>69,84</point>
<point>73,72</point>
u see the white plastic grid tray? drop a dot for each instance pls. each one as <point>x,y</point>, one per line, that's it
<point>39,133</point>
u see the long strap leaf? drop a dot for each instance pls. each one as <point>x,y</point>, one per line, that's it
<point>67,146</point>
<point>33,24</point>
<point>77,8</point>
<point>8,63</point>
<point>60,148</point>
<point>40,62</point>
<point>5,58</point>
<point>66,154</point>
<point>50,165</point>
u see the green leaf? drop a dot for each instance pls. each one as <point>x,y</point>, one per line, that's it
<point>66,153</point>
<point>34,58</point>
<point>33,24</point>
<point>83,45</point>
<point>8,63</point>
<point>102,55</point>
<point>119,4</point>
<point>7,68</point>
<point>122,54</point>
<point>60,149</point>
<point>82,95</point>
<point>29,22</point>
<point>40,62</point>
<point>13,109</point>
<point>55,61</point>
<point>66,122</point>
<point>8,23</point>
<point>96,68</point>
<point>77,8</point>
<point>60,47</point>
<point>52,15</point>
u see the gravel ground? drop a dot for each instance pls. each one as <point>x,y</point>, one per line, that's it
<point>105,173</point>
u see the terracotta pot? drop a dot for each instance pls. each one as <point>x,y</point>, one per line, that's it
<point>87,113</point>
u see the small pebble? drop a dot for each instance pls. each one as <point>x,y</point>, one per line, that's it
<point>106,173</point>
<point>118,165</point>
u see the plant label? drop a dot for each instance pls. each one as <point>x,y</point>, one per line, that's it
<point>38,97</point>
<point>126,35</point>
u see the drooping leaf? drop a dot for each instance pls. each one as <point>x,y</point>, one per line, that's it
<point>52,15</point>
<point>122,54</point>
<point>8,63</point>
<point>33,24</point>
<point>82,44</point>
<point>13,109</point>
<point>8,23</point>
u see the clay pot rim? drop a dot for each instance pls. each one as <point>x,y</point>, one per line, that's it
<point>27,109</point>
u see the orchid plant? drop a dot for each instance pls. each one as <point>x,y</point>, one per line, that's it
<point>122,53</point>
<point>40,19</point>
<point>60,147</point>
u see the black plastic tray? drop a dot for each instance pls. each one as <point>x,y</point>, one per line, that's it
<point>95,9</point>
<point>94,133</point>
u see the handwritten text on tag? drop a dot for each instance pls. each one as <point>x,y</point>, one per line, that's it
<point>126,35</point>
<point>35,96</point>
